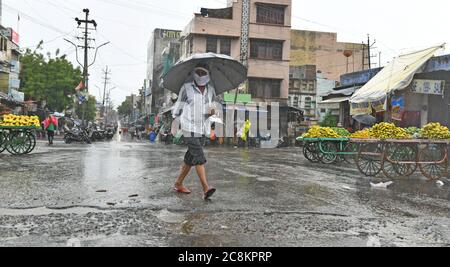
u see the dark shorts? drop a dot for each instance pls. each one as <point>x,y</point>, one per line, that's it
<point>195,155</point>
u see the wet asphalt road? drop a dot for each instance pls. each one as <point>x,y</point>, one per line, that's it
<point>119,194</point>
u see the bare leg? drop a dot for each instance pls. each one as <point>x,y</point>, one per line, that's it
<point>201,171</point>
<point>185,169</point>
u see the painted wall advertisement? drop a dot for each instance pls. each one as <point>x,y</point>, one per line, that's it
<point>398,107</point>
<point>368,107</point>
<point>360,108</point>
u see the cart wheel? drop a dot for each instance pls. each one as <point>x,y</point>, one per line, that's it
<point>433,161</point>
<point>20,143</point>
<point>399,153</point>
<point>3,139</point>
<point>310,151</point>
<point>369,160</point>
<point>350,148</point>
<point>31,136</point>
<point>330,157</point>
<point>406,153</point>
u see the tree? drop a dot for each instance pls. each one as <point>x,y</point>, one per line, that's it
<point>330,120</point>
<point>49,79</point>
<point>125,109</point>
<point>91,109</point>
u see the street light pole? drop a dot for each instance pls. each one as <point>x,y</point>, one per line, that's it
<point>86,48</point>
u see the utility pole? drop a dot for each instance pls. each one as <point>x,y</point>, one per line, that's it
<point>144,96</point>
<point>379,59</point>
<point>85,65</point>
<point>363,56</point>
<point>369,47</point>
<point>86,48</point>
<point>368,51</point>
<point>106,81</point>
<point>108,108</point>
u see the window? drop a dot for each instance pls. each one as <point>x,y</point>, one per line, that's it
<point>3,44</point>
<point>225,46</point>
<point>296,102</point>
<point>265,88</point>
<point>266,49</point>
<point>211,44</point>
<point>308,103</point>
<point>270,14</point>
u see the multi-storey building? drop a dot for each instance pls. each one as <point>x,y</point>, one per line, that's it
<point>302,89</point>
<point>9,63</point>
<point>331,58</point>
<point>220,30</point>
<point>163,51</point>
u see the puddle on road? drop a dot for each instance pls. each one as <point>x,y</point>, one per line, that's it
<point>46,211</point>
<point>316,190</point>
<point>169,217</point>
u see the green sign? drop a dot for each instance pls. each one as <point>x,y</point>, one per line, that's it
<point>242,98</point>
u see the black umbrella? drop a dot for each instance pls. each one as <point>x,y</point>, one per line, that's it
<point>226,73</point>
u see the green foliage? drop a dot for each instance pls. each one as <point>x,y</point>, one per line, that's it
<point>329,121</point>
<point>50,79</point>
<point>125,108</point>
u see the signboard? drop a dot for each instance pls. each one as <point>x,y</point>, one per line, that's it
<point>360,108</point>
<point>429,87</point>
<point>15,66</point>
<point>380,106</point>
<point>170,34</point>
<point>14,83</point>
<point>398,108</point>
<point>242,98</point>
<point>15,37</point>
<point>17,96</point>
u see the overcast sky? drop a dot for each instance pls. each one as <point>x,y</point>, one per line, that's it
<point>397,25</point>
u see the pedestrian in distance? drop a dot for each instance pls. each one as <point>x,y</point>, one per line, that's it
<point>193,108</point>
<point>50,125</point>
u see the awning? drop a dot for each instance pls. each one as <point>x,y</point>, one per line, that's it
<point>336,100</point>
<point>394,77</point>
<point>349,91</point>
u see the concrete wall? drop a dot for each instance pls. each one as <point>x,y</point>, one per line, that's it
<point>323,50</point>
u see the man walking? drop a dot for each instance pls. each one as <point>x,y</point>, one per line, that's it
<point>193,107</point>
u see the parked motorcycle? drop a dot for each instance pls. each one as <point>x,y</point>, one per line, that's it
<point>77,134</point>
<point>109,134</point>
<point>283,143</point>
<point>95,134</point>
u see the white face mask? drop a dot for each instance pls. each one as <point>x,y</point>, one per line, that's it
<point>201,81</point>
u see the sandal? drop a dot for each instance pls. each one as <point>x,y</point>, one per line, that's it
<point>209,194</point>
<point>182,190</point>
